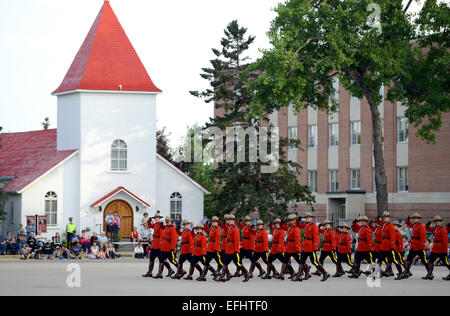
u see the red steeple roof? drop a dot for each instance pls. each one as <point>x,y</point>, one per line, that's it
<point>107,60</point>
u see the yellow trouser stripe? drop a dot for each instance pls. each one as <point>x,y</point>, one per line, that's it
<point>371,258</point>
<point>267,256</point>
<point>238,260</point>
<point>315,258</point>
<point>349,261</point>
<point>220,260</point>
<point>393,257</point>
<point>446,261</point>
<point>425,257</point>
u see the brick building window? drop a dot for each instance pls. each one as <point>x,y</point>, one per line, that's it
<point>292,133</point>
<point>334,180</point>
<point>334,134</point>
<point>312,136</point>
<point>402,130</point>
<point>355,128</point>
<point>312,180</point>
<point>403,179</point>
<point>355,179</point>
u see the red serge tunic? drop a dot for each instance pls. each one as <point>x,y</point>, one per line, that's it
<point>345,243</point>
<point>225,229</point>
<point>378,238</point>
<point>233,240</point>
<point>398,242</point>
<point>419,236</point>
<point>311,241</point>
<point>214,239</point>
<point>200,245</point>
<point>329,239</point>
<point>187,241</point>
<point>169,239</point>
<point>389,238</point>
<point>294,239</point>
<point>262,241</point>
<point>158,229</point>
<point>278,242</point>
<point>248,237</point>
<point>365,242</point>
<point>440,239</point>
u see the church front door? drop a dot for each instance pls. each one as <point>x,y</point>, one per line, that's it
<point>123,209</point>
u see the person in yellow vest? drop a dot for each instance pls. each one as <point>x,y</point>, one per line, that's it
<point>70,230</point>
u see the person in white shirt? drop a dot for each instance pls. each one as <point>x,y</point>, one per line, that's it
<point>94,251</point>
<point>139,252</point>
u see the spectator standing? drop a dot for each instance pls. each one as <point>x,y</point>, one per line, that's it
<point>116,227</point>
<point>109,219</point>
<point>30,228</point>
<point>178,221</point>
<point>70,231</point>
<point>145,219</point>
<point>2,245</point>
<point>205,221</point>
<point>145,237</point>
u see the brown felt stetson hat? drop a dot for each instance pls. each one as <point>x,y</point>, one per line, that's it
<point>260,222</point>
<point>364,219</point>
<point>215,219</point>
<point>397,224</point>
<point>344,226</point>
<point>416,215</point>
<point>199,226</point>
<point>291,217</point>
<point>277,220</point>
<point>247,218</point>
<point>231,216</point>
<point>386,214</point>
<point>157,215</point>
<point>309,214</point>
<point>437,219</point>
<point>226,216</point>
<point>185,222</point>
<point>326,222</point>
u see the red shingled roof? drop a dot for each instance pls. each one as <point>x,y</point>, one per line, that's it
<point>26,156</point>
<point>107,60</point>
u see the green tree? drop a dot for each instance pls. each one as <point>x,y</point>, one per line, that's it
<point>243,186</point>
<point>162,144</point>
<point>316,41</point>
<point>46,123</point>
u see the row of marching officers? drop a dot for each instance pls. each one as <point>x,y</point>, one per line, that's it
<point>379,242</point>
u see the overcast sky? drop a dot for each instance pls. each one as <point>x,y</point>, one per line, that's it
<point>40,38</point>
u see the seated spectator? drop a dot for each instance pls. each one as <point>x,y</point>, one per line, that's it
<point>75,239</point>
<point>101,254</point>
<point>11,244</point>
<point>65,253</point>
<point>103,240</point>
<point>94,238</point>
<point>85,241</point>
<point>139,252</point>
<point>39,239</point>
<point>26,252</point>
<point>94,251</point>
<point>2,245</point>
<point>134,236</point>
<point>111,252</point>
<point>58,253</point>
<point>38,252</point>
<point>57,242</point>
<point>76,251</point>
<point>145,236</point>
<point>22,239</point>
<point>48,250</point>
<point>30,228</point>
<point>31,242</point>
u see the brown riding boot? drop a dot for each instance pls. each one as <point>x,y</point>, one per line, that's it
<point>356,271</point>
<point>261,270</point>
<point>191,272</point>
<point>325,274</point>
<point>167,265</point>
<point>149,273</point>
<point>298,276</point>
<point>283,271</point>
<point>339,271</point>
<point>178,274</point>
<point>429,276</point>
<point>267,276</point>
<point>203,274</point>
<point>160,271</point>
<point>307,269</point>
<point>252,268</point>
<point>246,274</point>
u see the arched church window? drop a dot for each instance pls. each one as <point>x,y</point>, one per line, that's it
<point>51,208</point>
<point>119,156</point>
<point>176,205</point>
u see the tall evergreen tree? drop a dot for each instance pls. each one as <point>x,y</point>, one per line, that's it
<point>243,186</point>
<point>46,123</point>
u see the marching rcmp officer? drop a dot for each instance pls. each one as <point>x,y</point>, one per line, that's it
<point>168,246</point>
<point>248,239</point>
<point>329,244</point>
<point>278,249</point>
<point>232,251</point>
<point>224,227</point>
<point>187,247</point>
<point>293,248</point>
<point>418,246</point>
<point>344,250</point>
<point>398,251</point>
<point>213,250</point>
<point>158,229</point>
<point>199,254</point>
<point>261,250</point>
<point>309,247</point>
<point>440,247</point>
<point>387,246</point>
<point>365,245</point>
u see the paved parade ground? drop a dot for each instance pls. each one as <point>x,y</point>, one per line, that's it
<point>123,277</point>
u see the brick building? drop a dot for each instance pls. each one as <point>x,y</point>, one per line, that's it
<point>338,164</point>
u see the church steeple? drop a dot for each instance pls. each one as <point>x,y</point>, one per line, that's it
<point>107,60</point>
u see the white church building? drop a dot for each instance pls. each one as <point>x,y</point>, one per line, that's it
<point>102,157</point>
